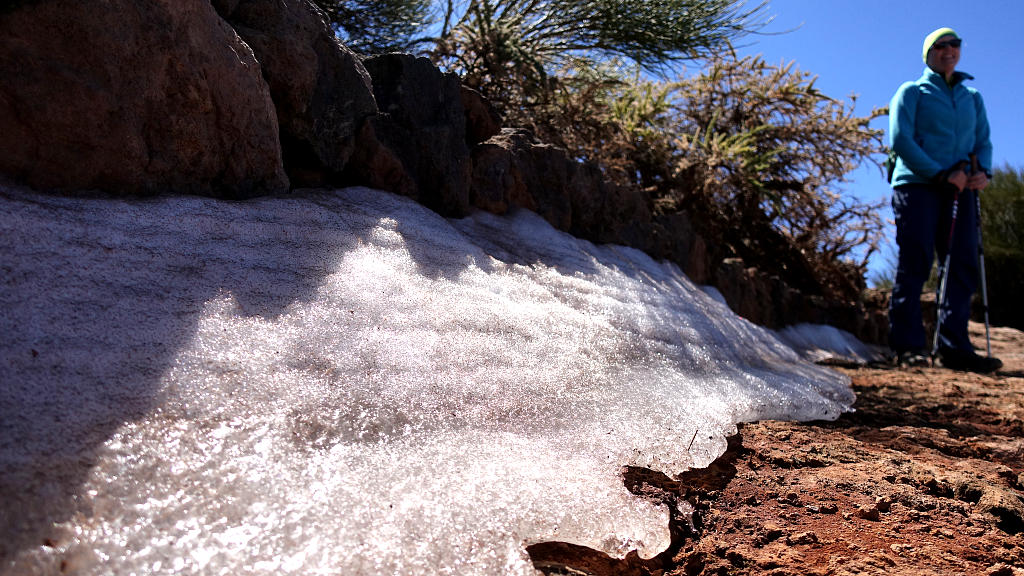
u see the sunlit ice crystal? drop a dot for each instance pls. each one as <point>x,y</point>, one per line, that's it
<point>345,382</point>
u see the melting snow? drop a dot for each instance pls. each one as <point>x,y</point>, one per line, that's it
<point>345,383</point>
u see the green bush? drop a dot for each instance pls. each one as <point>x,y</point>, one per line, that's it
<point>1002,217</point>
<point>754,152</point>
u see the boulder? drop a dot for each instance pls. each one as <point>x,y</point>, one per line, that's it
<point>422,125</point>
<point>512,169</point>
<point>320,88</point>
<point>603,212</point>
<point>547,173</point>
<point>497,181</point>
<point>750,293</point>
<point>482,119</point>
<point>134,98</point>
<point>674,237</point>
<point>376,165</point>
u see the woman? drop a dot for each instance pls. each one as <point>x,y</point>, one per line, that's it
<point>936,125</point>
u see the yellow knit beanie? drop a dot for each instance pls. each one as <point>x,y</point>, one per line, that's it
<point>931,38</point>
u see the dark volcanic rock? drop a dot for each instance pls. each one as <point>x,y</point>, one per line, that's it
<point>134,98</point>
<point>320,88</point>
<point>482,120</point>
<point>422,127</point>
<point>512,169</point>
<point>674,237</point>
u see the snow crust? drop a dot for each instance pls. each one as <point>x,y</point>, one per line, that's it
<point>345,383</point>
<point>820,343</point>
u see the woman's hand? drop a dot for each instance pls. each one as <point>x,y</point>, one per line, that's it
<point>977,181</point>
<point>958,178</point>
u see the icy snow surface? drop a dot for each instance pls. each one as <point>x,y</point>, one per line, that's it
<point>346,383</point>
<point>828,344</point>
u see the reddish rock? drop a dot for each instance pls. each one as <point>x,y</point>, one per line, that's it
<point>134,98</point>
<point>376,165</point>
<point>748,292</point>
<point>868,513</point>
<point>674,237</point>
<point>547,173</point>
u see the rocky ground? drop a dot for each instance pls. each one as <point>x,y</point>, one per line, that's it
<point>925,478</point>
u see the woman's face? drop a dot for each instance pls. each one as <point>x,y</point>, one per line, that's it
<point>943,56</point>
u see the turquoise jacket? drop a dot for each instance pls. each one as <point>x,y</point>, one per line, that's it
<point>934,125</point>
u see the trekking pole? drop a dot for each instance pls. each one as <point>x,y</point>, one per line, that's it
<point>981,260</point>
<point>944,276</point>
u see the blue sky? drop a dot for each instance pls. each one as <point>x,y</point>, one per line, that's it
<point>870,47</point>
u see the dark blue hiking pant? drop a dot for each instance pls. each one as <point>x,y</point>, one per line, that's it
<point>923,215</point>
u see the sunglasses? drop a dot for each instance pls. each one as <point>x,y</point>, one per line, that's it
<point>955,43</point>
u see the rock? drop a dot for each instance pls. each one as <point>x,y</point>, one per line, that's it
<point>868,512</point>
<point>802,538</point>
<point>1005,506</point>
<point>512,169</point>
<point>422,125</point>
<point>321,90</point>
<point>376,165</point>
<point>497,181</point>
<point>746,291</point>
<point>1001,569</point>
<point>771,532</point>
<point>602,212</point>
<point>482,119</point>
<point>674,237</point>
<point>828,508</point>
<point>901,549</point>
<point>791,498</point>
<point>547,181</point>
<point>134,98</point>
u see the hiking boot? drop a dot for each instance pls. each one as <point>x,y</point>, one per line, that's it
<point>912,358</point>
<point>969,361</point>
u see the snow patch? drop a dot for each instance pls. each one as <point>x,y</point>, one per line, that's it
<point>343,382</point>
